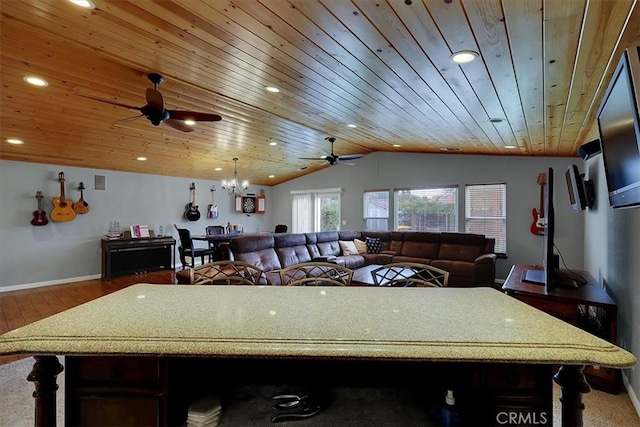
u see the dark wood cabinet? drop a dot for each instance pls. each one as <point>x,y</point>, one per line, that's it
<point>116,391</point>
<point>140,255</point>
<point>588,307</point>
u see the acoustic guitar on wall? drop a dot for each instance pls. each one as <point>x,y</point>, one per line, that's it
<point>191,212</point>
<point>62,209</point>
<point>539,223</point>
<point>39,216</point>
<point>81,206</point>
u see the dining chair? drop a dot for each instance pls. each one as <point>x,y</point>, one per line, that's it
<point>409,274</point>
<point>315,274</point>
<point>215,229</point>
<point>227,273</point>
<point>187,250</point>
<point>281,228</point>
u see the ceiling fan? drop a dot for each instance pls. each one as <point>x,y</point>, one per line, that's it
<point>157,114</point>
<point>333,159</point>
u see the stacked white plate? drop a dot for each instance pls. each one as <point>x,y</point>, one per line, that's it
<point>205,412</point>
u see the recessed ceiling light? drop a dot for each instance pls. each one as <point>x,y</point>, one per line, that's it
<point>397,145</point>
<point>189,122</point>
<point>36,81</point>
<point>510,146</point>
<point>272,176</point>
<point>88,4</point>
<point>15,141</point>
<point>352,126</point>
<point>450,149</point>
<point>218,169</point>
<point>141,158</point>
<point>272,89</point>
<point>272,143</point>
<point>463,56</point>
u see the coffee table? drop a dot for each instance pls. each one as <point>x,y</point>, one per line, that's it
<point>362,276</point>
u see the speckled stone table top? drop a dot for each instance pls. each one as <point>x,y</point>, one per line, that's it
<point>431,324</point>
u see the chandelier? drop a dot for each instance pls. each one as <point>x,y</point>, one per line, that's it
<point>234,186</point>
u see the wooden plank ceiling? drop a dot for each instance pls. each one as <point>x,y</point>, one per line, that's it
<point>381,65</point>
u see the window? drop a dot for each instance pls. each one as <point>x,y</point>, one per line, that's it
<point>486,212</point>
<point>376,210</point>
<point>429,209</point>
<point>317,210</point>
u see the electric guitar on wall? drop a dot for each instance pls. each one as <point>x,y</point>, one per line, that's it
<point>62,209</point>
<point>539,222</point>
<point>39,216</point>
<point>212,209</point>
<point>191,212</point>
<point>81,207</point>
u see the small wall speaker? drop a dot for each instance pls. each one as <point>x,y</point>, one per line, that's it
<point>99,182</point>
<point>589,149</point>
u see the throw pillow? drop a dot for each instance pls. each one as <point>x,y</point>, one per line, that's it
<point>361,246</point>
<point>348,247</point>
<point>374,245</point>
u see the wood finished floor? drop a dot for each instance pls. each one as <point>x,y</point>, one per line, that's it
<point>19,308</point>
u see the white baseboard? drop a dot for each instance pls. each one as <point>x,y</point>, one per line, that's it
<point>632,394</point>
<point>47,283</point>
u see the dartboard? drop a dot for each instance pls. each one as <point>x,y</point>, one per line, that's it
<point>248,205</point>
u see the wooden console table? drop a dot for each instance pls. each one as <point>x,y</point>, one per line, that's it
<point>131,256</point>
<point>573,306</point>
<point>127,351</point>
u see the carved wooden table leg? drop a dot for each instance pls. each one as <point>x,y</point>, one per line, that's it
<point>574,385</point>
<point>43,375</point>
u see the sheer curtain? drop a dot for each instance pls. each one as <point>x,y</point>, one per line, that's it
<point>302,213</point>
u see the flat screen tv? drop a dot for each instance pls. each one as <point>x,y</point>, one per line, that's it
<point>581,193</point>
<point>619,127</point>
<point>546,276</point>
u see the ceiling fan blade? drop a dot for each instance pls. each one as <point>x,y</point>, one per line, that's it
<point>178,124</point>
<point>340,162</point>
<point>192,115</point>
<point>128,119</point>
<point>313,158</point>
<point>131,107</point>
<point>351,156</point>
<point>155,100</point>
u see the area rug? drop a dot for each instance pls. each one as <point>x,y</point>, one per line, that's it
<point>16,402</point>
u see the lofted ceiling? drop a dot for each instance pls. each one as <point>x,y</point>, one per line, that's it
<point>381,65</point>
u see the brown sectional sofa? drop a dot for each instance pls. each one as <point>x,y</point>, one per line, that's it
<point>468,258</point>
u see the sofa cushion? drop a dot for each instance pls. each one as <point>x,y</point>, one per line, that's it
<point>348,247</point>
<point>461,273</point>
<point>462,246</point>
<point>361,246</point>
<point>374,245</point>
<point>384,236</point>
<point>421,245</point>
<point>291,249</point>
<point>419,260</point>
<point>352,261</point>
<point>256,250</point>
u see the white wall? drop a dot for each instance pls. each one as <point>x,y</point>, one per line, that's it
<point>400,170</point>
<point>65,251</point>
<point>612,256</point>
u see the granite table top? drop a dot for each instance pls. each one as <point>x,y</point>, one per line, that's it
<point>427,324</point>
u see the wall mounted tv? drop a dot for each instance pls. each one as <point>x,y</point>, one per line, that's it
<point>619,127</point>
<point>581,192</point>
